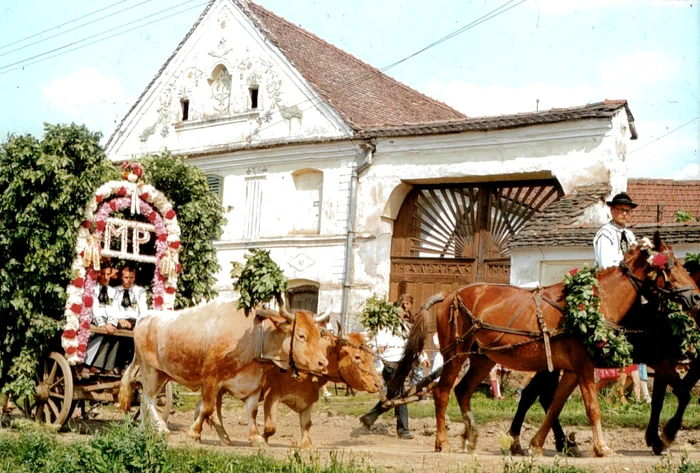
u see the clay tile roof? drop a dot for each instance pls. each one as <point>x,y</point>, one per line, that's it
<point>360,93</point>
<point>605,109</point>
<point>662,198</point>
<point>560,223</point>
<point>564,223</point>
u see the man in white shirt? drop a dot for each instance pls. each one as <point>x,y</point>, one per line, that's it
<point>614,239</point>
<point>389,347</point>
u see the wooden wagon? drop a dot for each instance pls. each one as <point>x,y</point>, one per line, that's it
<point>126,220</point>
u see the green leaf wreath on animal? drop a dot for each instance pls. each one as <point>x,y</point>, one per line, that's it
<point>583,319</point>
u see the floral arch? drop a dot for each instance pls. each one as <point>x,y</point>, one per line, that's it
<point>94,235</point>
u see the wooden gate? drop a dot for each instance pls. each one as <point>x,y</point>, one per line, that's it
<point>447,236</point>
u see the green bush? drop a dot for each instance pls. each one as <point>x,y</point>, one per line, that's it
<point>201,218</point>
<point>259,280</point>
<point>378,313</point>
<point>45,185</point>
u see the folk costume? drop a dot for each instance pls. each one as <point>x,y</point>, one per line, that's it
<point>610,244</point>
<point>101,311</point>
<point>117,352</point>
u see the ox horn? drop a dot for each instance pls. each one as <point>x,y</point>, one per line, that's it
<point>266,313</point>
<point>325,317</point>
<point>340,330</point>
<point>283,308</point>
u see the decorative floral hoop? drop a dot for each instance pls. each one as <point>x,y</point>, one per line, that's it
<point>110,197</point>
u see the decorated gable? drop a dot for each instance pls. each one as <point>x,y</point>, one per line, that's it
<point>226,85</point>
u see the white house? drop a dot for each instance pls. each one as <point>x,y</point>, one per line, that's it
<point>355,182</point>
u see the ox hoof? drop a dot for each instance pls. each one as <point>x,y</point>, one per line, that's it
<point>195,436</point>
<point>603,451</point>
<point>258,442</point>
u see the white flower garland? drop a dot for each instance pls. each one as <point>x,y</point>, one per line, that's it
<point>116,195</point>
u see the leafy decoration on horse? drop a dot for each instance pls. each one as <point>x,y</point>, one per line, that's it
<point>583,319</point>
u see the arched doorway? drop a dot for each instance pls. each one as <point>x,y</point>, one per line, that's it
<point>450,235</point>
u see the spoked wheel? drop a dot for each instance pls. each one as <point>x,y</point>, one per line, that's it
<point>53,401</point>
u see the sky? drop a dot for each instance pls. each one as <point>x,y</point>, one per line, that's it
<point>535,54</point>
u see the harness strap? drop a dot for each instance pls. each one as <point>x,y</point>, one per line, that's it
<point>292,365</point>
<point>544,329</point>
<point>514,318</point>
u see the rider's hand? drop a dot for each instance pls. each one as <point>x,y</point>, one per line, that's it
<point>125,324</point>
<point>110,328</point>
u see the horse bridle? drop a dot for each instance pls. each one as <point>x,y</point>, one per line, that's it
<point>680,294</point>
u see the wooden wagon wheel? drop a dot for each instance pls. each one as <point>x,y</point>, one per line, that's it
<point>53,401</point>
<point>164,401</point>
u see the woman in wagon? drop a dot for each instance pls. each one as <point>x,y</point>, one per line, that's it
<point>128,306</point>
<point>101,312</point>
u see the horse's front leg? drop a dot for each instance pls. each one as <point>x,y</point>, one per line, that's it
<point>441,397</point>
<point>663,373</point>
<point>590,399</point>
<point>562,393</point>
<point>681,388</point>
<point>478,370</point>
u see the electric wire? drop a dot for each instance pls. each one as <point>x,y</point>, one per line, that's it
<point>62,24</point>
<point>74,29</point>
<point>5,69</point>
<point>664,135</point>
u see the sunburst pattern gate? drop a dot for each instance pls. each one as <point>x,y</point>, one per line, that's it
<point>447,236</point>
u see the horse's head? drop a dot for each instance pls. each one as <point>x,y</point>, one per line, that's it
<point>653,267</point>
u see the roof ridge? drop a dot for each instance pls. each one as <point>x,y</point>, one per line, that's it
<point>355,59</point>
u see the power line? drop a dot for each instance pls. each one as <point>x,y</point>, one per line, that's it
<point>73,29</point>
<point>664,135</point>
<point>109,37</point>
<point>94,36</point>
<point>62,24</point>
<point>492,14</point>
<point>461,30</point>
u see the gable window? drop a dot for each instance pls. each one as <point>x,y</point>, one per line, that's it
<point>307,201</point>
<point>185,104</point>
<point>253,97</point>
<point>220,83</point>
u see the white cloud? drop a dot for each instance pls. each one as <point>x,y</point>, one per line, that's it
<point>88,96</point>
<point>691,171</point>
<point>568,6</point>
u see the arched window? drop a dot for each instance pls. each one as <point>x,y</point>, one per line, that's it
<point>307,202</point>
<point>220,83</point>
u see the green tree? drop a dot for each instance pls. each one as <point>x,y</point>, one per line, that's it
<point>45,185</point>
<point>201,218</point>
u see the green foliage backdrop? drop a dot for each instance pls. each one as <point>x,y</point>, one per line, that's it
<point>201,219</point>
<point>45,185</point>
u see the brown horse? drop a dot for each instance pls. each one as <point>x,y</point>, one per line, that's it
<point>502,323</point>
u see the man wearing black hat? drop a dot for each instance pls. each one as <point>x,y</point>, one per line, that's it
<point>614,239</point>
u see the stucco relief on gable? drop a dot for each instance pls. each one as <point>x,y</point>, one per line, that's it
<point>231,82</point>
<point>181,84</point>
